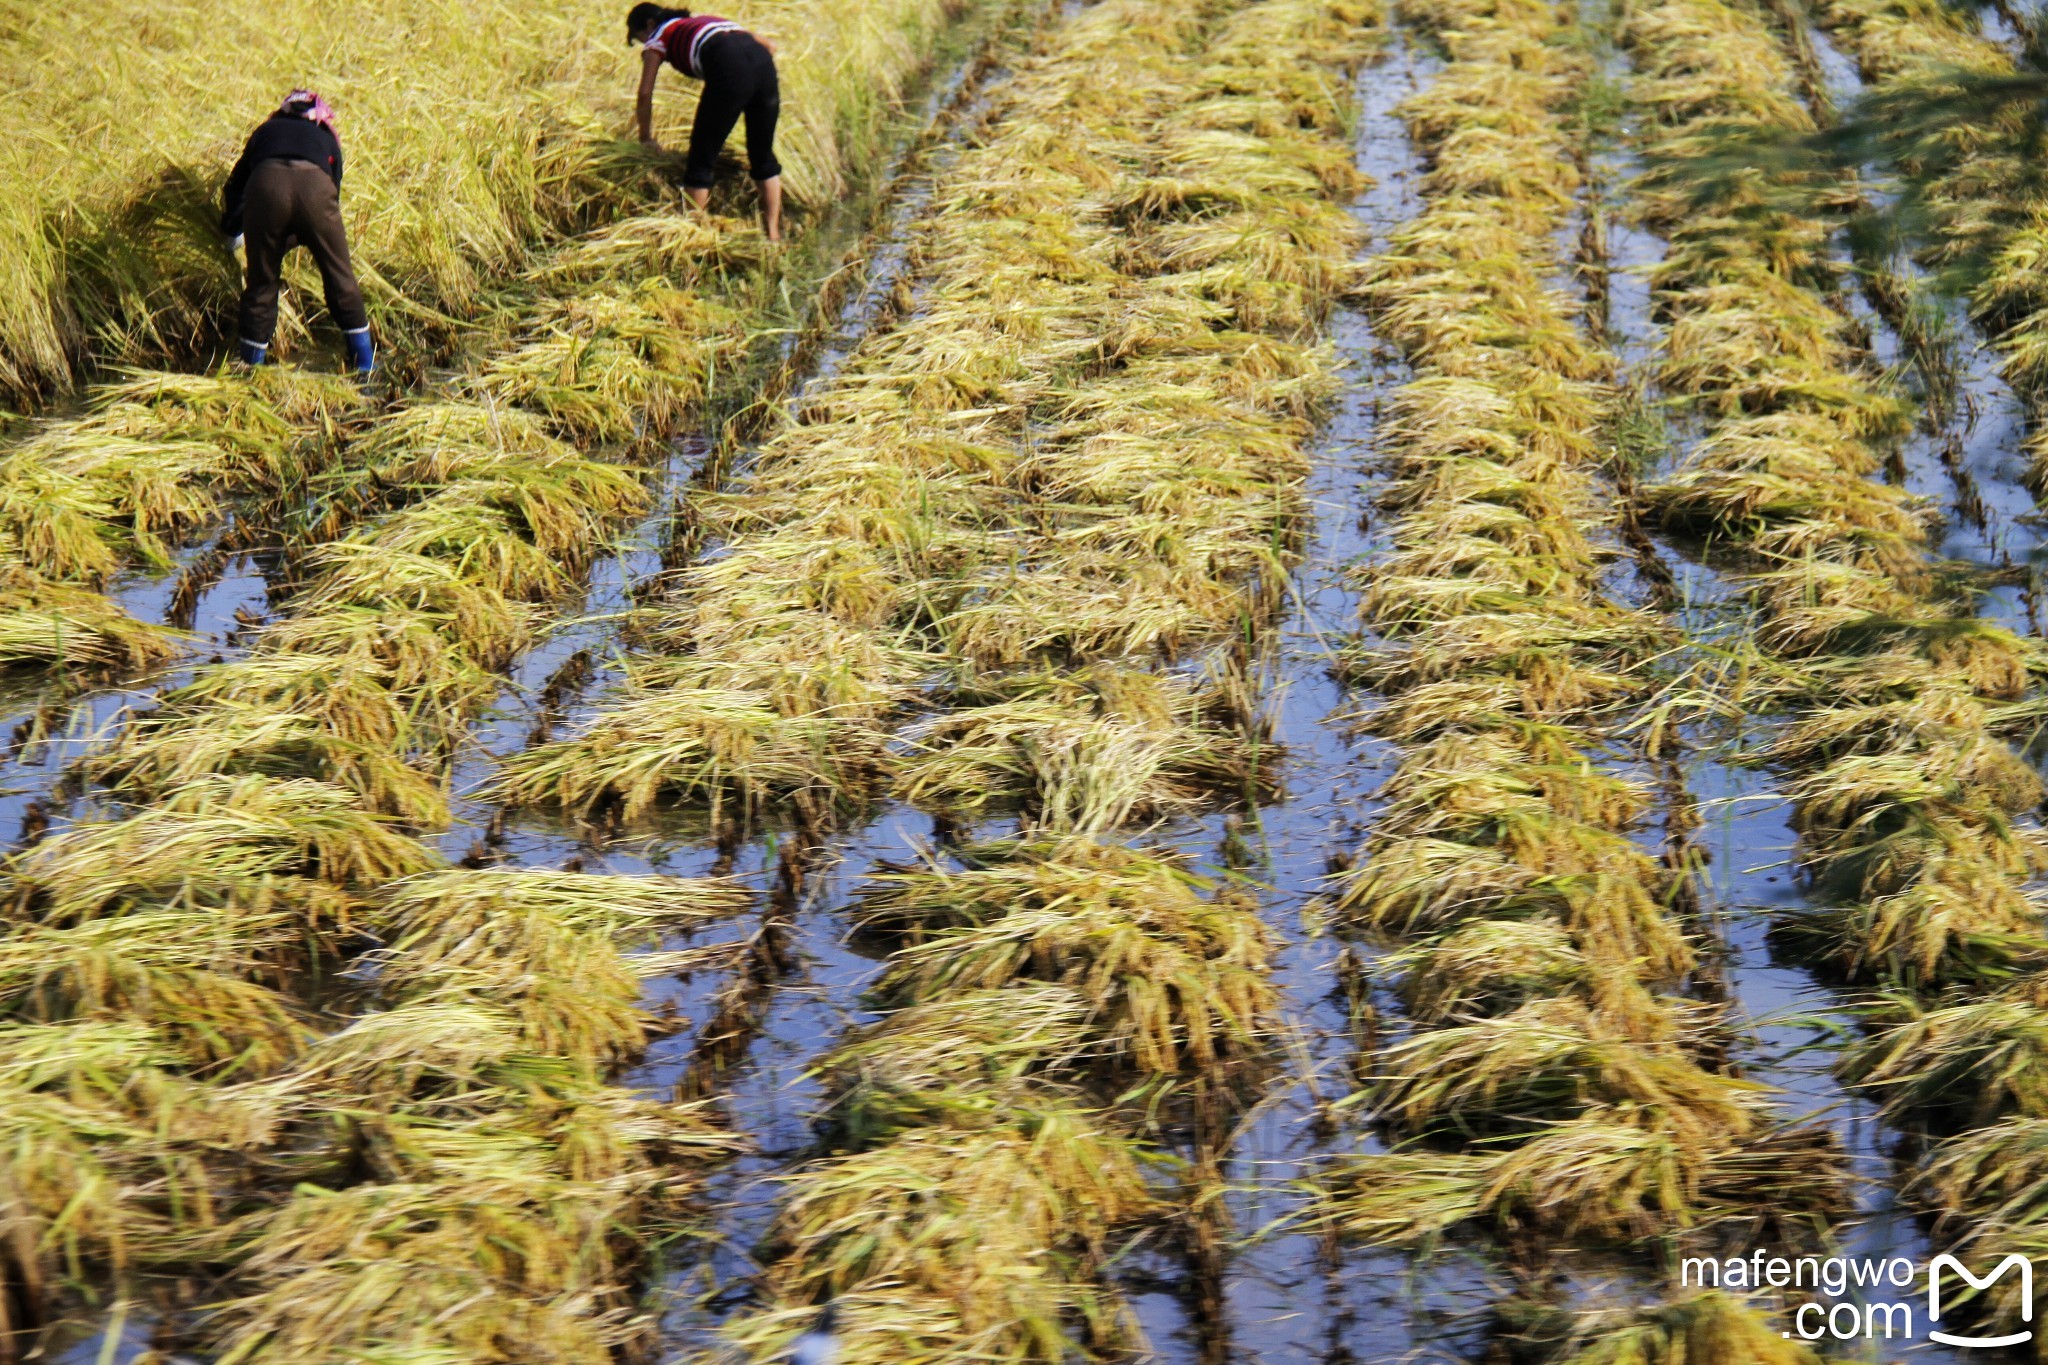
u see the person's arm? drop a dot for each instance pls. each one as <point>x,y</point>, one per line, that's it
<point>331,137</point>
<point>643,107</point>
<point>231,197</point>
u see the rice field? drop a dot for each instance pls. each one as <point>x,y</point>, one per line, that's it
<point>1295,687</point>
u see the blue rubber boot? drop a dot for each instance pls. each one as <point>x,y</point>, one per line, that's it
<point>362,351</point>
<point>253,352</point>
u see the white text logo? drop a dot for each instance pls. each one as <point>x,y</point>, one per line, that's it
<point>1934,1269</point>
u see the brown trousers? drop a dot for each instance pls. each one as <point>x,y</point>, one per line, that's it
<point>295,203</point>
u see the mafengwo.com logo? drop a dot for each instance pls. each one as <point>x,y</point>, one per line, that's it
<point>1857,1298</point>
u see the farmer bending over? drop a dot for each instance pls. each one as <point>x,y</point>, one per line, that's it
<point>286,192</point>
<point>738,71</point>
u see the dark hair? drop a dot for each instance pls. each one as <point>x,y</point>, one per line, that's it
<point>646,19</point>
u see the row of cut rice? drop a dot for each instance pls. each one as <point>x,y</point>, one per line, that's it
<point>997,567</point>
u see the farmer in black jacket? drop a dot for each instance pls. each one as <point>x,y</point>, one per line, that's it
<point>286,192</point>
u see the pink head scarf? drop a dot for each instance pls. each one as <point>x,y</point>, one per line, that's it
<point>307,104</point>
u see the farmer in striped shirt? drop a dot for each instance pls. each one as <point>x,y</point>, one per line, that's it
<point>738,71</point>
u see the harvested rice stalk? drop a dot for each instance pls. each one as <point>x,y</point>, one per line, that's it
<point>158,457</point>
<point>614,366</point>
<point>399,635</point>
<point>543,946</point>
<point>1063,964</point>
<point>1169,980</point>
<point>44,623</point>
<point>1986,1186</point>
<point>226,846</point>
<point>1602,1177</point>
<point>154,461</point>
<point>1983,200</point>
<point>497,1215</point>
<point>1091,751</point>
<point>112,1154</point>
<point>466,1124</point>
<point>397,639</point>
<point>1709,1327</point>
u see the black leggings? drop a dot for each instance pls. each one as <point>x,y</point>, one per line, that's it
<point>739,78</point>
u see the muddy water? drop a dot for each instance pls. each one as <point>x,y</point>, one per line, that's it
<point>1286,1295</point>
<point>1972,466</point>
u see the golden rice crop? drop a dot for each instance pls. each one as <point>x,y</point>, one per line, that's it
<point>397,636</point>
<point>1714,1325</point>
<point>87,498</point>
